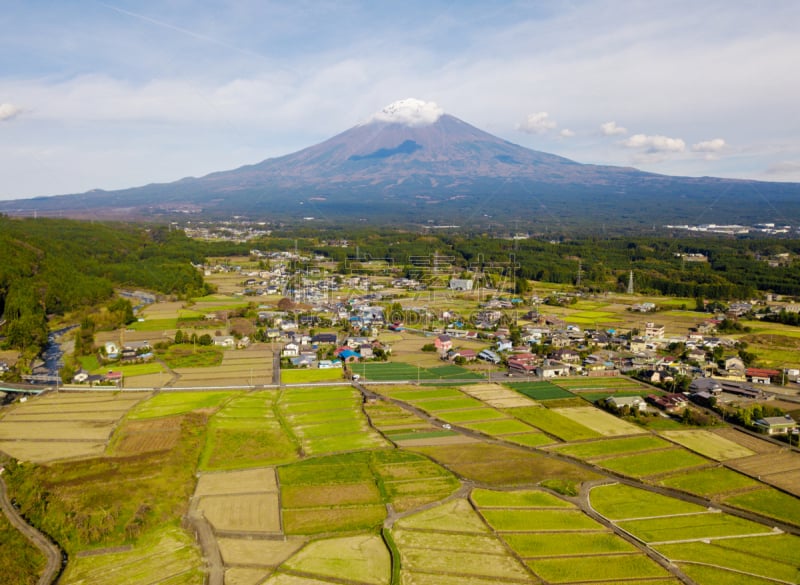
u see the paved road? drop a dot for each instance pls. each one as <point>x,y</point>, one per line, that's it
<point>51,552</point>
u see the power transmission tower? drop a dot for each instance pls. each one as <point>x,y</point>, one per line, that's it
<point>630,283</point>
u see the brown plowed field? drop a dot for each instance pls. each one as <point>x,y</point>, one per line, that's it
<point>749,441</point>
<point>146,436</point>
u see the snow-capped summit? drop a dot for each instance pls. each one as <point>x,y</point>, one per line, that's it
<point>409,112</point>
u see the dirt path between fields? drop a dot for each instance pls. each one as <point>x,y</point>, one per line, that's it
<point>51,552</point>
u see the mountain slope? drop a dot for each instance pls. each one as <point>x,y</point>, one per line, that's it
<point>438,168</point>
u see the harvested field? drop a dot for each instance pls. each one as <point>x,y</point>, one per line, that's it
<point>610,447</point>
<point>485,543</point>
<point>286,579</point>
<point>600,421</point>
<point>46,451</point>
<point>500,465</point>
<point>245,576</point>
<point>361,559</point>
<point>709,444</point>
<point>748,441</point>
<point>78,430</point>
<point>779,469</point>
<point>338,495</point>
<point>329,520</point>
<point>453,516</point>
<point>496,396</point>
<point>255,513</point>
<point>257,552</point>
<point>766,465</point>
<point>237,482</point>
<point>146,436</point>
<point>471,554</point>
<point>436,441</point>
<point>470,415</point>
<point>88,417</point>
<point>409,578</point>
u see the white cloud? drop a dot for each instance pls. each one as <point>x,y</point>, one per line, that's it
<point>411,112</point>
<point>9,111</point>
<point>537,123</point>
<point>611,129</point>
<point>566,133</point>
<point>655,144</point>
<point>714,145</point>
<point>785,168</point>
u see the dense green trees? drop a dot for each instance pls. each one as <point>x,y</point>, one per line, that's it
<point>51,267</point>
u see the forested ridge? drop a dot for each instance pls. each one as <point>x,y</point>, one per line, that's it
<point>51,267</point>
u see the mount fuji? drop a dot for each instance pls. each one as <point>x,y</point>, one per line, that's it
<point>412,163</point>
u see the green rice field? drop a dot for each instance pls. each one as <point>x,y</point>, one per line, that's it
<point>582,569</point>
<point>539,391</point>
<point>402,371</point>
<point>543,520</point>
<point>768,502</point>
<point>609,447</point>
<point>708,482</point>
<point>716,553</point>
<point>307,375</point>
<point>653,463</point>
<point>170,403</point>
<point>484,498</point>
<point>553,423</point>
<point>620,502</point>
<point>697,526</point>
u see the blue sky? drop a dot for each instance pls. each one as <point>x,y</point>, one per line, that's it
<point>118,94</point>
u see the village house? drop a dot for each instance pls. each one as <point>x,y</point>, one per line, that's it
<point>776,425</point>
<point>226,341</point>
<point>761,375</point>
<point>617,403</point>
<point>443,344</point>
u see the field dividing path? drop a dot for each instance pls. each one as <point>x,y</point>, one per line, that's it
<point>51,552</point>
